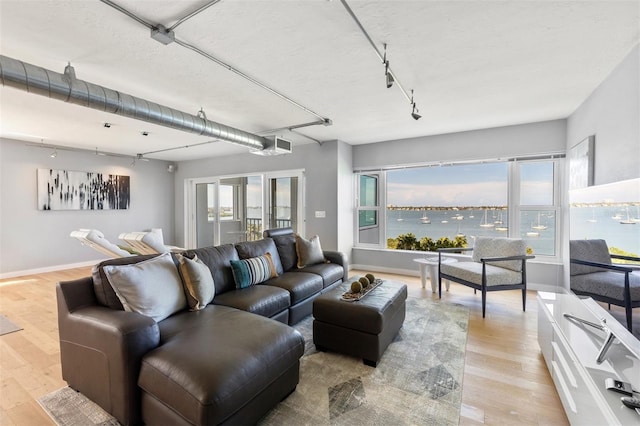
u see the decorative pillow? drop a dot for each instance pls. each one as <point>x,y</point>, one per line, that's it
<point>255,270</point>
<point>309,251</point>
<point>198,282</point>
<point>152,287</point>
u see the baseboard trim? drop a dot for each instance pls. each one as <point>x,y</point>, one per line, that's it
<point>413,273</point>
<point>48,269</point>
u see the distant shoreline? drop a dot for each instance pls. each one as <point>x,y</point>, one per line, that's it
<point>441,208</point>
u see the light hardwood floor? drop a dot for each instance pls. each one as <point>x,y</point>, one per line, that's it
<point>505,379</point>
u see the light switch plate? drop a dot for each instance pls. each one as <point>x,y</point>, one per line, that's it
<point>321,213</point>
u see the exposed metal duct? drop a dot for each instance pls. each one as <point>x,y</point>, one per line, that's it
<point>66,87</point>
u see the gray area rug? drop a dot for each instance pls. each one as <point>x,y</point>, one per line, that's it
<point>418,380</point>
<point>6,326</point>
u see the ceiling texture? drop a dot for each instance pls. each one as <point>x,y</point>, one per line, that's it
<point>272,67</point>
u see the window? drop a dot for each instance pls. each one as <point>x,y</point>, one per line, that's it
<point>227,202</point>
<point>368,209</point>
<point>420,208</point>
<point>538,211</point>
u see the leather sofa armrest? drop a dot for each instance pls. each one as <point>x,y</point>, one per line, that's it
<point>338,258</point>
<point>101,349</point>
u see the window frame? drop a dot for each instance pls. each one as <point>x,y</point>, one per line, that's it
<point>513,200</point>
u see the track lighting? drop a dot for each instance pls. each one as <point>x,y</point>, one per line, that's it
<point>107,125</point>
<point>145,133</point>
<point>54,154</point>
<point>388,75</point>
<point>414,113</point>
<point>414,109</point>
<point>387,72</point>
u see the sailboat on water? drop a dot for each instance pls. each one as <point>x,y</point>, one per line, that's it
<point>485,223</point>
<point>537,225</point>
<point>628,220</point>
<point>425,219</point>
<point>400,219</point>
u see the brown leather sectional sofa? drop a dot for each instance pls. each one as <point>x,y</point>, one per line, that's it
<point>225,364</point>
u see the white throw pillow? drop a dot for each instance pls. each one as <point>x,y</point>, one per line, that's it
<point>152,287</point>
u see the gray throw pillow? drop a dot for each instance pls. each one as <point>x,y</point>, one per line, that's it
<point>198,282</point>
<point>309,251</point>
<point>152,288</point>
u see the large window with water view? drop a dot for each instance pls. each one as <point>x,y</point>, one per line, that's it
<point>429,207</point>
<point>446,206</point>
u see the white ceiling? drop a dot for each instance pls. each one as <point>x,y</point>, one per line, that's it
<point>473,64</point>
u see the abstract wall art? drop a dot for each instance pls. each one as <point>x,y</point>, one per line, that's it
<point>73,190</point>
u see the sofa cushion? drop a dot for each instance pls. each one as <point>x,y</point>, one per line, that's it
<point>252,271</point>
<point>259,299</point>
<point>152,287</point>
<point>248,249</point>
<point>330,272</point>
<point>105,294</point>
<point>300,285</point>
<point>218,259</point>
<point>608,284</point>
<point>286,245</point>
<point>212,369</point>
<point>309,251</point>
<point>472,271</point>
<point>500,247</point>
<point>197,280</point>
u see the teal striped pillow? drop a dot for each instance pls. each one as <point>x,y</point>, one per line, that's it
<point>248,272</point>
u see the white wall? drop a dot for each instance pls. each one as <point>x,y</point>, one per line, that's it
<point>31,239</point>
<point>499,142</point>
<point>612,114</point>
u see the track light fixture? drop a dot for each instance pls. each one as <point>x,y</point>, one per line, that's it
<point>107,125</point>
<point>387,72</point>
<point>54,154</point>
<point>414,109</point>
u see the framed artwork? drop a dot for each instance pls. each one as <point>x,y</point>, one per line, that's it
<point>72,190</point>
<point>581,159</point>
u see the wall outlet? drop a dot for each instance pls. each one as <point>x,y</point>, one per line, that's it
<point>321,213</point>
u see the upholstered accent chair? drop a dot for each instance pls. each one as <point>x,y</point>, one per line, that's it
<point>593,274</point>
<point>496,264</point>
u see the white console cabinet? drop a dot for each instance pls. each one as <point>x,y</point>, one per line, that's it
<point>570,349</point>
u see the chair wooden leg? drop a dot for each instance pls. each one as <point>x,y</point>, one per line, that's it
<point>439,286</point>
<point>474,291</point>
<point>629,315</point>
<point>484,301</point>
<point>524,300</point>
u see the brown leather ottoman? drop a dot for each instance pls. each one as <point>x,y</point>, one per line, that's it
<point>363,328</point>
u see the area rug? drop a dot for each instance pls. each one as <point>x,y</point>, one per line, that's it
<point>417,381</point>
<point>7,326</point>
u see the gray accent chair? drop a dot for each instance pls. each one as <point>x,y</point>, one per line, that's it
<point>497,264</point>
<point>593,274</point>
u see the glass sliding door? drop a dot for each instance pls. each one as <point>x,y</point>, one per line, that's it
<point>205,214</point>
<point>231,209</point>
<point>285,201</point>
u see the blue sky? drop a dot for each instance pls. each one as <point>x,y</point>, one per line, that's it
<point>467,185</point>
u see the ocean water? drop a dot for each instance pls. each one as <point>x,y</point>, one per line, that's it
<point>605,222</point>
<point>445,224</point>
